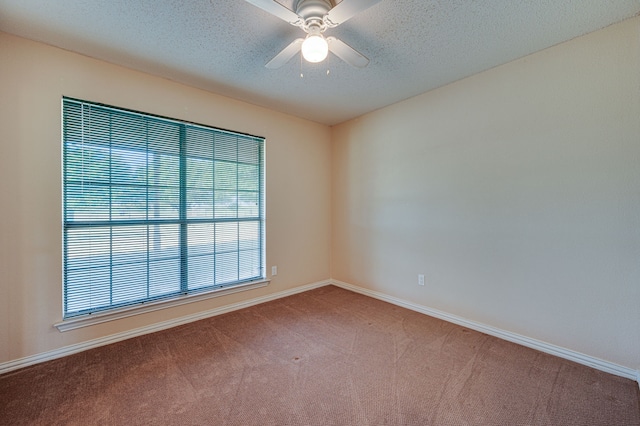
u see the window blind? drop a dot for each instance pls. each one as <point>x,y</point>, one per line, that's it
<point>155,208</point>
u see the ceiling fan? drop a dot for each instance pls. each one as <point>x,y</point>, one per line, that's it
<point>314,17</point>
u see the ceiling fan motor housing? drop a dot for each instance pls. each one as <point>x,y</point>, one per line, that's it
<point>313,13</point>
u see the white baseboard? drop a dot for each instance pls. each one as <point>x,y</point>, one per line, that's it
<point>558,351</point>
<point>102,341</point>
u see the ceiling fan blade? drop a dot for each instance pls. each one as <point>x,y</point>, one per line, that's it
<point>286,54</point>
<point>278,10</point>
<point>346,9</point>
<point>345,52</point>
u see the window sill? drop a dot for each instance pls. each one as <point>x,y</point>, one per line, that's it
<point>115,314</point>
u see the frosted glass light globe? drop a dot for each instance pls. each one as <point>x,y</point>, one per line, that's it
<point>315,48</point>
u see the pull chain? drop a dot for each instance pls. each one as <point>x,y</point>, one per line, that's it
<point>301,74</point>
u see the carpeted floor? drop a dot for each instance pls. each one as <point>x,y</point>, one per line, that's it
<point>324,357</point>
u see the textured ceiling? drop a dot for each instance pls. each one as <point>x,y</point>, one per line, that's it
<point>222,45</point>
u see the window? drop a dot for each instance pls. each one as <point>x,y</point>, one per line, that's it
<point>156,208</point>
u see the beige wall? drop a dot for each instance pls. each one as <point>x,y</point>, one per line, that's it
<point>33,79</point>
<point>516,192</point>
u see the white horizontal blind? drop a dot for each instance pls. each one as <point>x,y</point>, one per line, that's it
<point>155,208</point>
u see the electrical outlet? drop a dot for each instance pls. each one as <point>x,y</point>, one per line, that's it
<point>274,271</point>
<point>420,279</point>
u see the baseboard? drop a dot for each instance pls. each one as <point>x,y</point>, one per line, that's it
<point>558,351</point>
<point>79,347</point>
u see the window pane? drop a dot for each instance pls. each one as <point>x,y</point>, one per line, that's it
<point>249,235</point>
<point>164,277</point>
<point>163,203</point>
<point>226,237</point>
<point>87,247</point>
<point>249,266</point>
<point>128,244</point>
<point>128,202</point>
<point>201,271</point>
<point>227,267</point>
<point>164,170</point>
<point>199,173</point>
<point>226,147</point>
<point>128,166</point>
<point>87,163</point>
<point>129,282</point>
<point>201,239</point>
<point>199,143</point>
<point>86,202</point>
<point>161,138</point>
<point>248,177</point>
<point>248,204</point>
<point>199,203</point>
<point>248,151</point>
<point>226,204</point>
<point>128,131</point>
<point>226,175</point>
<point>164,242</point>
<point>88,289</point>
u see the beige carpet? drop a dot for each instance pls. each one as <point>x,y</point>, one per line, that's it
<point>324,357</point>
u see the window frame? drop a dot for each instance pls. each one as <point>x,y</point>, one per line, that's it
<point>185,294</point>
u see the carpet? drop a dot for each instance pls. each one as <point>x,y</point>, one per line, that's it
<point>324,357</point>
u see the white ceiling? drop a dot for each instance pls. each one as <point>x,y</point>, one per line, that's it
<point>222,45</point>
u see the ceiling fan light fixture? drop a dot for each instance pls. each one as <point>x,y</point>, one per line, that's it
<point>315,48</point>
